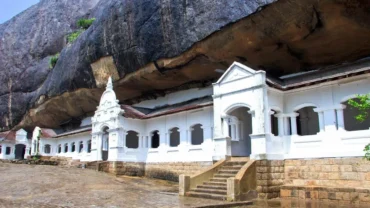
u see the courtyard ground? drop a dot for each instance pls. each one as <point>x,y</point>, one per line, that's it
<point>51,186</point>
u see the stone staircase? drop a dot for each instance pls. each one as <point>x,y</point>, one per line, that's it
<point>216,187</point>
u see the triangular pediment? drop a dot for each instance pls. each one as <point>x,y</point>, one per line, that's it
<point>236,71</point>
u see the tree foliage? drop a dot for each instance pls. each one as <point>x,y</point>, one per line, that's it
<point>362,104</point>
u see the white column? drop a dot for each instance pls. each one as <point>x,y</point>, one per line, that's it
<point>85,146</point>
<point>293,123</point>
<point>3,149</point>
<point>269,121</point>
<point>217,115</point>
<point>321,119</point>
<point>340,118</point>
<point>225,127</point>
<point>280,124</point>
<point>140,141</point>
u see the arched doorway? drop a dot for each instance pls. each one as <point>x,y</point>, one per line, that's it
<point>20,150</point>
<point>239,127</point>
<point>105,145</point>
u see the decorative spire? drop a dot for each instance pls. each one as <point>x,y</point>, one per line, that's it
<point>109,84</point>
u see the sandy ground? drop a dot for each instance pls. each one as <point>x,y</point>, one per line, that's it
<point>49,186</point>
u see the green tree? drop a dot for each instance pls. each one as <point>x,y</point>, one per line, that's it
<point>362,104</point>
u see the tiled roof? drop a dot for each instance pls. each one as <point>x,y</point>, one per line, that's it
<point>7,136</point>
<point>47,133</point>
<point>75,131</point>
<point>136,113</point>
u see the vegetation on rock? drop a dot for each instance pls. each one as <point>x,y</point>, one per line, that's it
<point>53,60</point>
<point>362,103</point>
<point>85,23</point>
<point>73,36</point>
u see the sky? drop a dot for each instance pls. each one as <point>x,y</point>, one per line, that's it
<point>10,8</point>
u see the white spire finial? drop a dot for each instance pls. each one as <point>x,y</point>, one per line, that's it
<point>109,83</point>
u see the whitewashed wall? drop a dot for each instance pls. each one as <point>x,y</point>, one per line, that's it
<point>185,152</point>
<point>332,140</point>
<point>76,155</point>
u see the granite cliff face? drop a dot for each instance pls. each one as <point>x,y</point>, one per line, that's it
<point>153,46</point>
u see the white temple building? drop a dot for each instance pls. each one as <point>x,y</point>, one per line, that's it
<point>245,113</point>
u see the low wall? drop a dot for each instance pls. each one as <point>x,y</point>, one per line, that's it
<point>337,196</point>
<point>270,177</point>
<point>165,171</point>
<point>32,162</point>
<point>332,172</point>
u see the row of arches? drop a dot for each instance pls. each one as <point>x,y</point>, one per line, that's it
<point>307,121</point>
<point>47,149</point>
<point>174,137</point>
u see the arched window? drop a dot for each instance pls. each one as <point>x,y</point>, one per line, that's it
<point>81,147</point>
<point>174,137</point>
<point>307,121</point>
<point>89,146</point>
<point>73,147</point>
<point>60,148</point>
<point>350,121</point>
<point>132,140</point>
<point>155,140</point>
<point>47,149</point>
<point>66,147</point>
<point>197,136</point>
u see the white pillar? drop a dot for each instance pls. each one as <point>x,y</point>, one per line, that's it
<point>293,123</point>
<point>140,141</point>
<point>280,124</point>
<point>217,115</point>
<point>321,119</point>
<point>225,127</point>
<point>340,118</point>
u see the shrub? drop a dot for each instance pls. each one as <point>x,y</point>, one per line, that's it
<point>73,36</point>
<point>85,23</point>
<point>53,60</point>
<point>363,105</point>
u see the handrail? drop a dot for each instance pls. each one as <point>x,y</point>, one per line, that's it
<point>187,182</point>
<point>206,174</point>
<point>243,182</point>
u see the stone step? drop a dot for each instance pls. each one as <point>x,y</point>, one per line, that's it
<point>209,191</point>
<point>205,195</point>
<point>214,183</point>
<point>228,171</point>
<point>219,180</point>
<point>218,175</point>
<point>235,162</point>
<point>218,187</point>
<point>230,168</point>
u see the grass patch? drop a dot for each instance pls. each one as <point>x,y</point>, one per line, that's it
<point>85,23</point>
<point>73,36</point>
<point>53,60</point>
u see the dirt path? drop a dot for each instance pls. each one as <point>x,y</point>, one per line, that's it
<point>49,186</point>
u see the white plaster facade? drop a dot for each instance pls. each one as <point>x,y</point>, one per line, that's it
<point>237,124</point>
